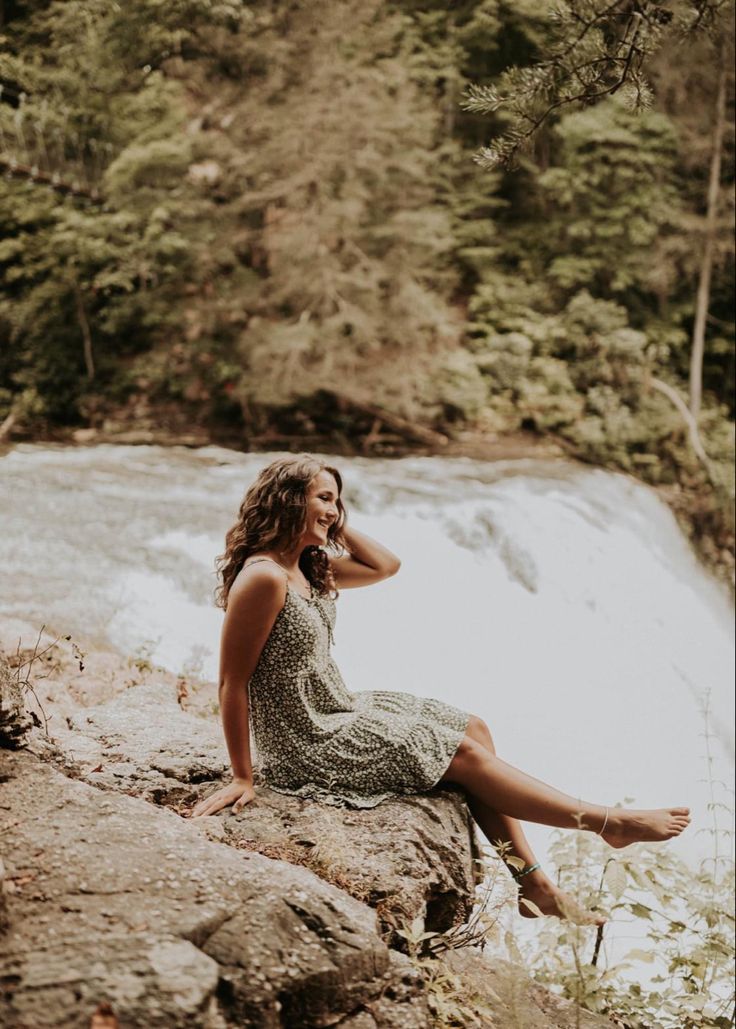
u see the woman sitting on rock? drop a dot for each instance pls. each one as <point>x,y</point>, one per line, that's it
<point>316,739</point>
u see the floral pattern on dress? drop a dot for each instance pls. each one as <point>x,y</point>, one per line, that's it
<point>314,738</point>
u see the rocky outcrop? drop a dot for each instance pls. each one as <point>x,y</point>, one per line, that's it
<point>15,724</point>
<point>141,742</point>
<point>113,901</point>
<point>409,857</point>
<point>116,912</point>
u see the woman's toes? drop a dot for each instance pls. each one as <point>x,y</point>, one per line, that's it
<point>627,827</point>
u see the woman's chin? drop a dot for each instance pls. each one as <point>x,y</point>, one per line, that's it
<point>313,539</point>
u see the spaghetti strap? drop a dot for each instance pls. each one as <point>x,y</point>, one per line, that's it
<point>257,559</point>
<point>289,587</point>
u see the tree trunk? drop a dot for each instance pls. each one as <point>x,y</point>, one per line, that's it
<point>86,334</point>
<point>401,426</point>
<point>706,267</point>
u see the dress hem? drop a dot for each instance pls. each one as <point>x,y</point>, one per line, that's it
<point>334,800</point>
<point>452,757</point>
<point>320,794</point>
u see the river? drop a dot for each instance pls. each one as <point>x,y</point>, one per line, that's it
<point>561,604</point>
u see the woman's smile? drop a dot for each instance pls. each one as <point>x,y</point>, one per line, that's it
<point>322,499</point>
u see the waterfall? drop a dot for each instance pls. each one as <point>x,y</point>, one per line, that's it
<point>561,604</point>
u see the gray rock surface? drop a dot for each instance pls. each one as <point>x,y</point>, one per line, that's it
<point>15,723</point>
<point>113,901</point>
<point>408,857</point>
<point>115,912</point>
<point>143,743</point>
<point>3,900</point>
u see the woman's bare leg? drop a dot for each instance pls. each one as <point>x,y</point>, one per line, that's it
<point>536,886</point>
<point>509,791</point>
<point>495,826</point>
<point>492,784</point>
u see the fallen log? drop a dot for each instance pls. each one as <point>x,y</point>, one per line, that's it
<point>402,426</point>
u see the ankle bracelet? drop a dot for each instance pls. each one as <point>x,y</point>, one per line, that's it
<point>605,823</point>
<point>526,871</point>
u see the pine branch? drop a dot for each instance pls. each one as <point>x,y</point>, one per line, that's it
<point>594,56</point>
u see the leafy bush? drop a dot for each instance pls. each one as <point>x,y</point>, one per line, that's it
<point>688,947</point>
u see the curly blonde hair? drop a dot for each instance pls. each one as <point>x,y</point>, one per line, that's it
<point>272,516</point>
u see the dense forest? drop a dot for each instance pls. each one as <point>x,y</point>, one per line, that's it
<point>265,221</point>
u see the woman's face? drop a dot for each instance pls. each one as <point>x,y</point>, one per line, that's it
<point>322,510</point>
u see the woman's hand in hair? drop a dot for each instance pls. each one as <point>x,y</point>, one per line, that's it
<point>239,793</point>
<point>368,561</point>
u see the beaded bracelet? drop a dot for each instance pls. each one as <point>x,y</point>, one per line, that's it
<point>526,871</point>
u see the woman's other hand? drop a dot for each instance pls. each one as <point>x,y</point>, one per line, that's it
<point>239,793</point>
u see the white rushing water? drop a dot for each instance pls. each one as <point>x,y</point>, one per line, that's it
<point>562,605</point>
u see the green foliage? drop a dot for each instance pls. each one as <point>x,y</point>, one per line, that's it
<point>256,204</point>
<point>678,975</point>
<point>452,1001</point>
<point>586,374</point>
<point>688,922</point>
<point>688,945</point>
<point>338,211</point>
<point>609,198</point>
<point>85,285</point>
<point>593,49</point>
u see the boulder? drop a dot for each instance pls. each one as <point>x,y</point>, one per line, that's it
<point>115,911</point>
<point>116,906</point>
<point>408,857</point>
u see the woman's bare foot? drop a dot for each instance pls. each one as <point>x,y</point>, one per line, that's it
<point>625,827</point>
<point>540,895</point>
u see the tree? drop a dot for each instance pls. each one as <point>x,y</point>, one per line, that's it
<point>601,50</point>
<point>595,49</point>
<point>89,110</point>
<point>609,195</point>
<point>711,228</point>
<point>333,210</point>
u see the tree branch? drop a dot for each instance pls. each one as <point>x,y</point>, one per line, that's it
<point>674,397</point>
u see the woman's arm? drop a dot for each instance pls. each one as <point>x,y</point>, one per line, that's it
<point>367,562</point>
<point>253,605</point>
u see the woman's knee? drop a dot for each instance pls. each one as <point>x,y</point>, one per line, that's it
<point>469,754</point>
<point>479,731</point>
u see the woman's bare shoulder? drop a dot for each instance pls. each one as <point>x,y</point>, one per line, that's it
<point>259,583</point>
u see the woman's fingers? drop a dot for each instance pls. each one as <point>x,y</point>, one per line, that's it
<point>227,795</point>
<point>210,805</point>
<point>240,804</point>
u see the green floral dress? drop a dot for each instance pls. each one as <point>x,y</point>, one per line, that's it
<point>313,738</point>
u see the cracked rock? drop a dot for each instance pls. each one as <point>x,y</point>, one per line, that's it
<point>116,901</point>
<point>412,856</point>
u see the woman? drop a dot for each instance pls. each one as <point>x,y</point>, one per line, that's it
<point>313,737</point>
